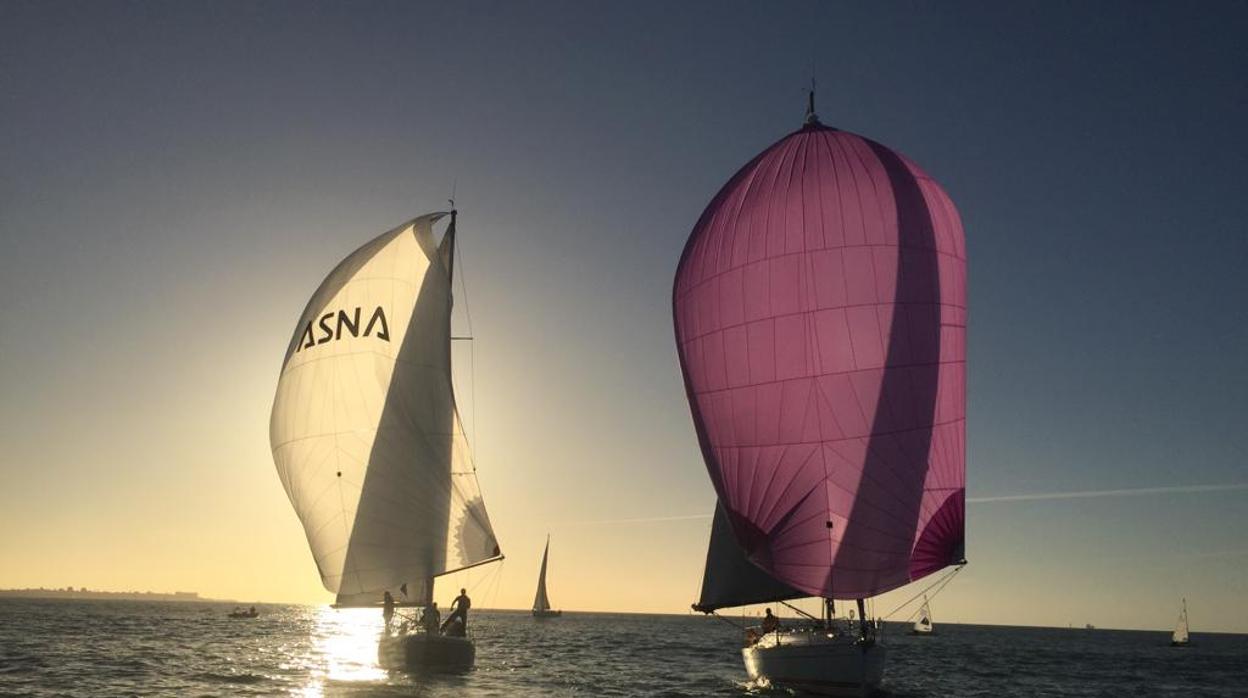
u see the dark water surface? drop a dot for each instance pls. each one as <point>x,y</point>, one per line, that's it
<point>93,648</point>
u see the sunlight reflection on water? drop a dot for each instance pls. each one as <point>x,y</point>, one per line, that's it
<point>344,648</point>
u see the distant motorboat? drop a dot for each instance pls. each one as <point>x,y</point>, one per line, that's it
<point>244,613</point>
<point>1089,626</point>
<point>923,626</point>
<point>1179,638</point>
<point>541,602</point>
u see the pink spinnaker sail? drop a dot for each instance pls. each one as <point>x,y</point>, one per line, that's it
<point>820,312</point>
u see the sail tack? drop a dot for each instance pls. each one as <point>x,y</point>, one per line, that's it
<point>820,315</point>
<point>365,432</point>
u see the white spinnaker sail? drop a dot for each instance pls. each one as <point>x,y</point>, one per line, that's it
<point>541,602</point>
<point>1180,628</point>
<point>365,432</point>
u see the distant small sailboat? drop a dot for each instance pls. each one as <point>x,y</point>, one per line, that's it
<point>368,442</point>
<point>923,626</point>
<point>1179,638</point>
<point>541,602</point>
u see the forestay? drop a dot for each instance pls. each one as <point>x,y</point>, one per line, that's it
<point>365,432</point>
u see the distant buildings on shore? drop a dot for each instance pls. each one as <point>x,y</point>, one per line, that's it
<point>85,593</point>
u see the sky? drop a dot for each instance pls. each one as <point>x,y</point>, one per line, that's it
<point>177,178</point>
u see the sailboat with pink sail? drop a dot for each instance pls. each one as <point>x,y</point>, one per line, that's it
<point>820,318</point>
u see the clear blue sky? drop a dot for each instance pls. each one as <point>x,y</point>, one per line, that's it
<point>175,179</point>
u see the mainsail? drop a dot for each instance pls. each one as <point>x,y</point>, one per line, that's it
<point>365,432</point>
<point>541,602</point>
<point>820,317</point>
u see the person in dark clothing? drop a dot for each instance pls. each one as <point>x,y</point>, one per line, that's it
<point>429,619</point>
<point>387,608</point>
<point>459,609</point>
<point>770,622</point>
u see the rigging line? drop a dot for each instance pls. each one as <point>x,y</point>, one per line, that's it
<point>939,582</point>
<point>738,626</point>
<point>795,608</point>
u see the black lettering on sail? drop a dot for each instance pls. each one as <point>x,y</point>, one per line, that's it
<point>329,333</point>
<point>353,326</point>
<point>306,340</point>
<point>379,316</point>
<point>377,326</point>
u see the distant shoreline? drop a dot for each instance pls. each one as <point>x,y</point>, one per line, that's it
<point>69,593</point>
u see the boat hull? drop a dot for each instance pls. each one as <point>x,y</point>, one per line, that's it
<point>817,663</point>
<point>426,653</point>
<point>546,614</point>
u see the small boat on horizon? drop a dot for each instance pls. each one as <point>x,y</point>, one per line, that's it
<point>1180,636</point>
<point>369,445</point>
<point>244,612</point>
<point>923,625</point>
<point>541,602</point>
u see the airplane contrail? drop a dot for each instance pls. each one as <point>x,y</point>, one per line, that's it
<point>1086,494</point>
<point>644,519</point>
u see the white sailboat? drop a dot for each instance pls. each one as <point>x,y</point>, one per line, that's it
<point>368,441</point>
<point>541,602</point>
<point>923,624</point>
<point>828,655</point>
<point>1179,638</point>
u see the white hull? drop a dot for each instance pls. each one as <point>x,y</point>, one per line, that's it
<point>420,652</point>
<point>816,662</point>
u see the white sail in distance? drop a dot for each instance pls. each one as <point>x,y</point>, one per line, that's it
<point>365,431</point>
<point>541,602</point>
<point>1179,636</point>
<point>924,623</point>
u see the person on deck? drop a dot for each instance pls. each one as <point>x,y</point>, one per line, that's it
<point>387,607</point>
<point>459,609</point>
<point>770,622</point>
<point>430,619</point>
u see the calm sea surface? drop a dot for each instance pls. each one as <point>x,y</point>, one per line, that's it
<point>94,648</point>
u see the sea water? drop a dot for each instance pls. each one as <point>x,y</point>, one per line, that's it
<point>94,648</point>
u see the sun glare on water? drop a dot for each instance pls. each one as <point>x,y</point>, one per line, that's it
<point>345,642</point>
